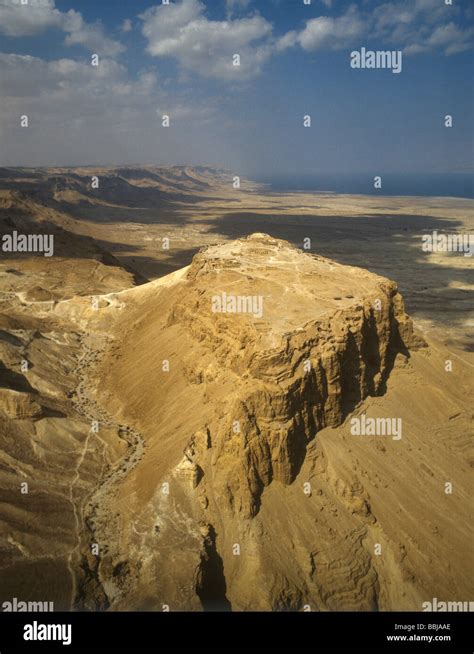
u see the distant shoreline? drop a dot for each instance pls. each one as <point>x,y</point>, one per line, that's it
<point>450,185</point>
<point>456,186</point>
<point>267,190</point>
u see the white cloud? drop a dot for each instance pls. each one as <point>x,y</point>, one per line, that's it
<point>80,114</point>
<point>332,33</point>
<point>416,26</point>
<point>25,20</point>
<point>90,35</point>
<point>286,41</point>
<point>420,26</point>
<point>37,16</point>
<point>65,86</point>
<point>205,46</point>
<point>127,25</point>
<point>451,38</point>
<point>183,31</point>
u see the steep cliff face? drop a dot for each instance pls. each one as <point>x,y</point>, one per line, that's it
<point>294,374</point>
<point>240,375</point>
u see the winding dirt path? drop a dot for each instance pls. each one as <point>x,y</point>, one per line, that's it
<point>96,510</point>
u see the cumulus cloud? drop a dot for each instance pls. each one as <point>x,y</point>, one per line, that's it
<point>332,33</point>
<point>416,26</point>
<point>68,88</point>
<point>89,35</point>
<point>37,16</point>
<point>420,26</point>
<point>451,38</point>
<point>207,46</point>
<point>80,114</point>
<point>183,31</point>
<point>25,20</point>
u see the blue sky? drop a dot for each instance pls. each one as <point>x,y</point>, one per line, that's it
<point>295,61</point>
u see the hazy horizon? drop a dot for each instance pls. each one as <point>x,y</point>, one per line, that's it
<point>451,184</point>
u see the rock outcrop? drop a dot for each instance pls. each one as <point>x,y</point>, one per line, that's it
<point>327,338</point>
<point>241,374</point>
<point>18,406</point>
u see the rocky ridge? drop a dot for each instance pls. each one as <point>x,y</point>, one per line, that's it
<point>238,423</point>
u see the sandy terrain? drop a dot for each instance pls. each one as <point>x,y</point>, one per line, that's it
<point>146,509</point>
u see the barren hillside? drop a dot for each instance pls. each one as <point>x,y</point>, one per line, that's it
<point>189,442</point>
<point>247,488</point>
